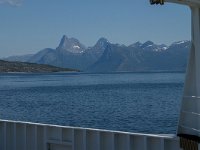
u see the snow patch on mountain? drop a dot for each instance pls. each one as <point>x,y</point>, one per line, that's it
<point>180,42</point>
<point>76,47</point>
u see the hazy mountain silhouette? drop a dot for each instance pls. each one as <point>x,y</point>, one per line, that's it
<point>107,57</point>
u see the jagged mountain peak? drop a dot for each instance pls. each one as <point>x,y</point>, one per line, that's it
<point>180,42</point>
<point>147,44</point>
<point>102,39</point>
<point>143,45</point>
<point>98,49</point>
<point>71,45</point>
<point>151,46</point>
<point>102,43</point>
<point>137,44</point>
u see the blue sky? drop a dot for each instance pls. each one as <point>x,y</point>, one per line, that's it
<point>36,24</point>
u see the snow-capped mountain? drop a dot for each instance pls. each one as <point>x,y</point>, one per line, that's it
<point>107,57</point>
<point>149,45</point>
<point>71,45</point>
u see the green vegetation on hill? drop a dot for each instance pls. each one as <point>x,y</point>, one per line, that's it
<point>7,66</point>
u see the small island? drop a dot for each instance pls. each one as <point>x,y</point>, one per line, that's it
<point>7,66</point>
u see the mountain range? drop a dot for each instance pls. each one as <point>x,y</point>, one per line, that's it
<point>105,56</point>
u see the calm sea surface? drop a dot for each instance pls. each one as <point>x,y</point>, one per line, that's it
<point>136,102</point>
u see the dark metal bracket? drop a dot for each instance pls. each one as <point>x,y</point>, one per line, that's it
<point>161,2</point>
<point>189,142</point>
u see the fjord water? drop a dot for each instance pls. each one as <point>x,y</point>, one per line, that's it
<point>135,102</point>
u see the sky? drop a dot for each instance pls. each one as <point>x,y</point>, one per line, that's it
<point>27,26</point>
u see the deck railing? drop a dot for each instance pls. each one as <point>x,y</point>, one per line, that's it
<point>16,135</point>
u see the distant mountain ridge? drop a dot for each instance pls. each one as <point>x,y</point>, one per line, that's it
<point>108,57</point>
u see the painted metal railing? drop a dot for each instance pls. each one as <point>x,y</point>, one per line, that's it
<point>32,136</point>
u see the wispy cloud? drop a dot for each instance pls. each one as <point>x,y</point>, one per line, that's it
<point>11,2</point>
